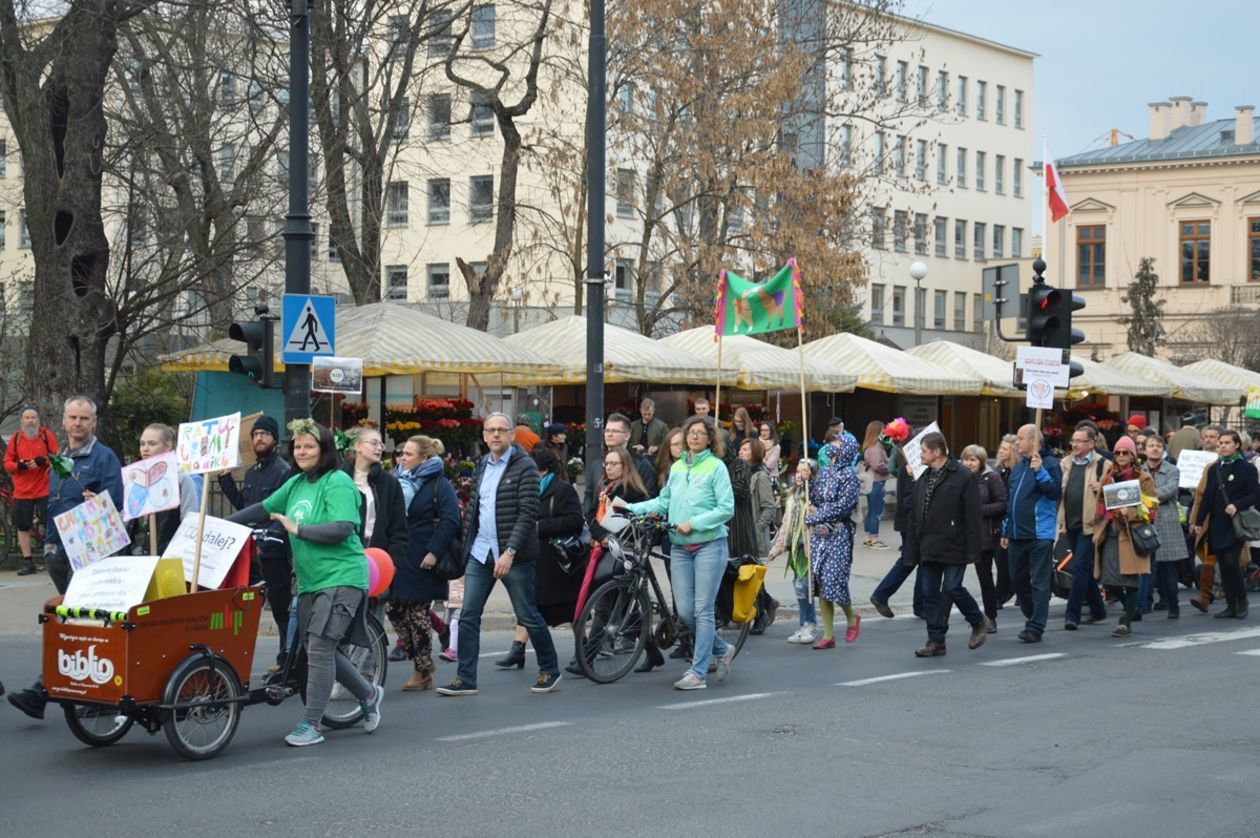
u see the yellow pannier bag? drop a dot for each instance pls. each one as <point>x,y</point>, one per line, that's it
<point>744,600</point>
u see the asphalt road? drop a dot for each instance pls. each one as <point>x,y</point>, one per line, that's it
<point>1082,734</point>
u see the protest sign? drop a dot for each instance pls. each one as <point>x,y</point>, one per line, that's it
<point>209,445</point>
<point>221,542</point>
<point>150,485</point>
<point>912,449</point>
<point>91,531</point>
<point>330,374</point>
<point>113,584</point>
<point>247,456</point>
<point>1122,494</point>
<point>1191,464</point>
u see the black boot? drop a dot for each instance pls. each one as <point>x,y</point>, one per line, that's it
<point>30,701</point>
<point>681,652</point>
<point>654,659</point>
<point>515,657</point>
<point>27,568</point>
<point>573,668</point>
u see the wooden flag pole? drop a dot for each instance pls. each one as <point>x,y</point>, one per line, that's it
<point>800,356</point>
<point>201,529</point>
<point>153,551</point>
<point>717,390</point>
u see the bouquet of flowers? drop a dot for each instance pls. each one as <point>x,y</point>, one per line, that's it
<point>575,467</point>
<point>895,432</point>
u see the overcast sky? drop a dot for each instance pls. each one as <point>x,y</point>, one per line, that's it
<point>1102,61</point>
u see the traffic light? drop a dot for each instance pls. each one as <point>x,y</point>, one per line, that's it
<point>257,336</point>
<point>1044,304</point>
<point>1062,335</point>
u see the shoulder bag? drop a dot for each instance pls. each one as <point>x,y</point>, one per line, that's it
<point>1246,521</point>
<point>571,552</point>
<point>1144,538</point>
<point>450,564</point>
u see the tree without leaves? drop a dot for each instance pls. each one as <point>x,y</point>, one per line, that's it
<point>1231,335</point>
<point>1146,324</point>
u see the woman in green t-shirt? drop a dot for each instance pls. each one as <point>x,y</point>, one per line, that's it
<point>319,508</point>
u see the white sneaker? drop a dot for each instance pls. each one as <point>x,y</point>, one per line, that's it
<point>808,634</point>
<point>690,681</point>
<point>798,636</point>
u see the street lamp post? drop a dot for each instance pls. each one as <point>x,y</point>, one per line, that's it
<point>297,229</point>
<point>918,271</point>
<point>595,162</point>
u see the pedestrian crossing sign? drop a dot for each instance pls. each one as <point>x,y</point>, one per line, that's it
<point>308,323</point>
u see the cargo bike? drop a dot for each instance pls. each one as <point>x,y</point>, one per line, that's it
<point>182,664</point>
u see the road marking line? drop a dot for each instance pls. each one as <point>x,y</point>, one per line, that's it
<point>691,705</point>
<point>1204,638</point>
<point>1252,652</point>
<point>1027,659</point>
<point>501,731</point>
<point>899,676</point>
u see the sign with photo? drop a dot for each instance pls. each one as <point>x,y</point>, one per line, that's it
<point>330,374</point>
<point>1123,494</point>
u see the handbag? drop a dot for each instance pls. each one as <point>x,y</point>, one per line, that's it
<point>1246,521</point>
<point>451,563</point>
<point>571,552</point>
<point>866,478</point>
<point>1144,538</point>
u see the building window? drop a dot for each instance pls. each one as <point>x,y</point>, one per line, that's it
<point>439,201</point>
<point>437,280</point>
<point>1196,246</point>
<point>1017,178</point>
<point>900,156</point>
<point>877,304</point>
<point>483,26</point>
<point>1091,256</point>
<point>2,229</point>
<point>980,167</point>
<point>899,305</point>
<point>920,233</point>
<point>26,297</point>
<point>960,168</point>
<point>977,244</point>
<point>441,38</point>
<point>482,118</point>
<point>939,301</point>
<point>1017,242</point>
<point>334,254</point>
<point>396,204</point>
<point>1019,109</point>
<point>999,240</point>
<point>920,159</point>
<point>960,104</point>
<point>881,76</point>
<point>400,119</point>
<point>940,225</point>
<point>1253,247</point>
<point>999,173</point>
<point>846,68</point>
<point>227,163</point>
<point>942,91</point>
<point>878,220</point>
<point>960,239</point>
<point>227,88</point>
<point>922,87</point>
<point>396,283</point>
<point>625,193</point>
<point>942,155</point>
<point>960,311</point>
<point>903,70</point>
<point>846,145</point>
<point>3,152</point>
<point>977,313</point>
<point>999,105</point>
<point>879,152</point>
<point>481,198</point>
<point>982,94</point>
<point>900,218</point>
<point>440,116</point>
<point>623,279</point>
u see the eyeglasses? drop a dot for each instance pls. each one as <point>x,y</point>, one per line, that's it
<point>697,434</point>
<point>618,430</point>
<point>496,431</point>
<point>373,443</point>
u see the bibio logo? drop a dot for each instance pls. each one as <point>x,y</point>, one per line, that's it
<point>78,666</point>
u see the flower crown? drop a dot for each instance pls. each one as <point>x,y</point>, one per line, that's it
<point>303,426</point>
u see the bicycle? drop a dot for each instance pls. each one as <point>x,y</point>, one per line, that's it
<point>613,627</point>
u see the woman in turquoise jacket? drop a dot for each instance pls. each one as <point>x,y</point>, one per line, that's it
<point>698,501</point>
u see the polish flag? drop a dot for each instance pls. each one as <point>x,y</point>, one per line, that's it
<point>1054,189</point>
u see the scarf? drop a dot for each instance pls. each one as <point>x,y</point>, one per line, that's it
<point>933,477</point>
<point>544,482</point>
<point>410,479</point>
<point>797,534</point>
<point>1237,455</point>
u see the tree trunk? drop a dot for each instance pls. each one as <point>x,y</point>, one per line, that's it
<point>481,290</point>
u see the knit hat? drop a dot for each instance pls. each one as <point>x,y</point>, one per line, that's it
<point>1137,420</point>
<point>1124,443</point>
<point>266,423</point>
<point>554,428</point>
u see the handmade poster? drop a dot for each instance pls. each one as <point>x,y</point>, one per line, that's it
<point>221,543</point>
<point>912,449</point>
<point>113,584</point>
<point>150,486</point>
<point>247,456</point>
<point>1191,464</point>
<point>1040,393</point>
<point>209,445</point>
<point>91,531</point>
<point>1122,494</point>
<point>336,375</point>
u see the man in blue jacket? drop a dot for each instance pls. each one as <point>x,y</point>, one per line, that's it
<point>1030,528</point>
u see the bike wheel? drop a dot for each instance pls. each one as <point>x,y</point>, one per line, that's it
<point>611,631</point>
<point>735,634</point>
<point>371,660</point>
<point>96,726</point>
<point>208,713</point>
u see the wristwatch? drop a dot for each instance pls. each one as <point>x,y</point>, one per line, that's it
<point>511,551</point>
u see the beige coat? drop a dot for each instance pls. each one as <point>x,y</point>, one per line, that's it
<point>1131,563</point>
<point>1089,515</point>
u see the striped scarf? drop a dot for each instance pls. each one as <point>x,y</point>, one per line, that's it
<point>934,476</point>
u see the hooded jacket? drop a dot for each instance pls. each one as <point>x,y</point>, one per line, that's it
<point>1032,505</point>
<point>699,491</point>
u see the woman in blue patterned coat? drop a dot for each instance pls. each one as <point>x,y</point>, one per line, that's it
<point>834,496</point>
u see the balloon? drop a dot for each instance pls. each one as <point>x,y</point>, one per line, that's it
<point>380,571</point>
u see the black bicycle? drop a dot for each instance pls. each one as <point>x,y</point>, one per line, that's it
<point>615,624</point>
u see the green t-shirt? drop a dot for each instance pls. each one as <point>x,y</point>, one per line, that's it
<point>333,497</point>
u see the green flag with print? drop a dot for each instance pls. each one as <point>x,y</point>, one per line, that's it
<point>752,308</point>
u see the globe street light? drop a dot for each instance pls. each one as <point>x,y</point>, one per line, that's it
<point>918,270</point>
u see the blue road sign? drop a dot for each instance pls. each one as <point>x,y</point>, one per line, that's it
<point>308,325</point>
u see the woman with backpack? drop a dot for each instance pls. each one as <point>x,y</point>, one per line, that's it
<point>433,523</point>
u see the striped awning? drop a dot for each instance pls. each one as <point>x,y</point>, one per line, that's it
<point>628,356</point>
<point>1230,375</point>
<point>760,365</point>
<point>392,339</point>
<point>880,367</point>
<point>963,360</point>
<point>1108,381</point>
<point>1183,383</point>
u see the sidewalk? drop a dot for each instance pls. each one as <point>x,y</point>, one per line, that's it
<point>23,597</point>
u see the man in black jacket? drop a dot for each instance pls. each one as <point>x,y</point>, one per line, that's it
<point>943,537</point>
<point>268,473</point>
<point>501,540</point>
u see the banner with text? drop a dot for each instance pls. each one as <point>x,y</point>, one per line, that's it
<point>91,531</point>
<point>221,542</point>
<point>210,445</point>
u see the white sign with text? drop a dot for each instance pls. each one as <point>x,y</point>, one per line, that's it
<point>912,449</point>
<point>221,542</point>
<point>113,584</point>
<point>1191,465</point>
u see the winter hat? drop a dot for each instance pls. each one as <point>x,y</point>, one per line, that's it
<point>1124,443</point>
<point>555,428</point>
<point>266,423</point>
<point>1137,420</point>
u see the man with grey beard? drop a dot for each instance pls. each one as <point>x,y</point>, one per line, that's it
<point>27,460</point>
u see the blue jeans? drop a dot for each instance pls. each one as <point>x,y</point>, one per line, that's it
<point>808,614</point>
<point>1084,590</point>
<point>478,582</point>
<point>696,580</point>
<point>895,578</point>
<point>936,602</point>
<point>874,508</point>
<point>1032,563</point>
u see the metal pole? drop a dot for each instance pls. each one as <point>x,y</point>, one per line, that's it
<point>297,229</point>
<point>595,127</point>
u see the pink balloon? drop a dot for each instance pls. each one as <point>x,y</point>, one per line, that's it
<point>380,571</point>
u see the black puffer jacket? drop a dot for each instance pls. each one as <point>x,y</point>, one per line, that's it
<point>389,533</point>
<point>515,507</point>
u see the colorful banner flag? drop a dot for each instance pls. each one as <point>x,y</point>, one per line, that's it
<point>751,308</point>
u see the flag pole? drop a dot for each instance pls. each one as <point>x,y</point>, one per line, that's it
<point>717,390</point>
<point>1045,198</point>
<point>800,358</point>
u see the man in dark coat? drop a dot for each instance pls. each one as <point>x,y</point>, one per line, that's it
<point>943,537</point>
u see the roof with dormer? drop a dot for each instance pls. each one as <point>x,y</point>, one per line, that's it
<point>1198,142</point>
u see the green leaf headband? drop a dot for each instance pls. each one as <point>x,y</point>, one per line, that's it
<point>304,426</point>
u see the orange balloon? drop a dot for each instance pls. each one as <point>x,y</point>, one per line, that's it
<point>380,571</point>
